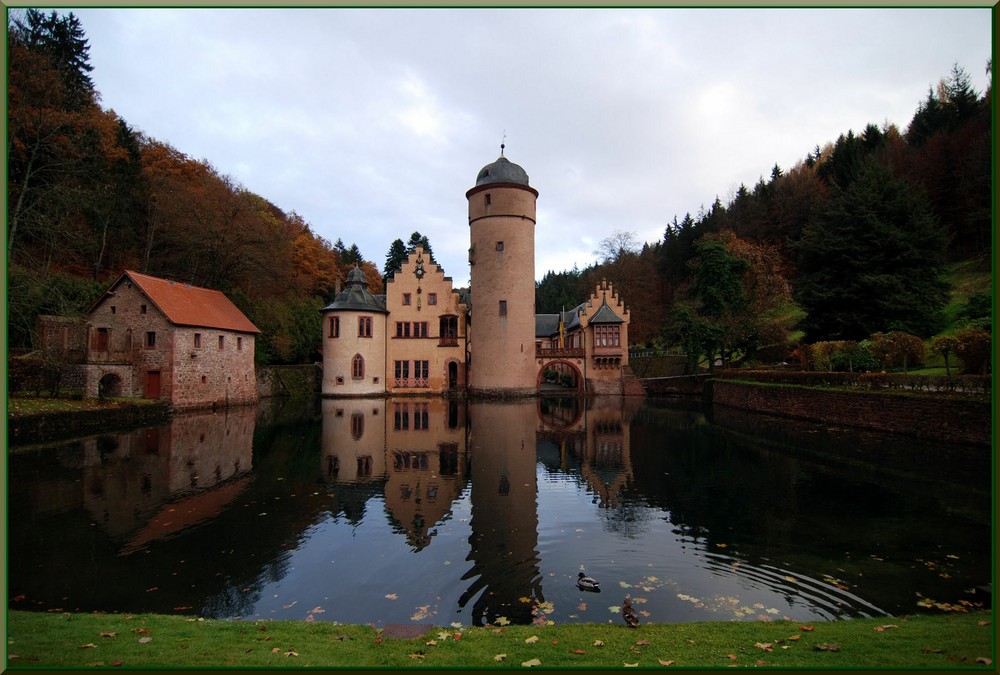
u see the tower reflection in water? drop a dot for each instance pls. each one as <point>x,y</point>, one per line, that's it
<point>421,453</point>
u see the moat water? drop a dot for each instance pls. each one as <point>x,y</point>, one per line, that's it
<point>438,511</point>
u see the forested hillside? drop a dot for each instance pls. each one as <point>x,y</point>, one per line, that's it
<point>851,241</point>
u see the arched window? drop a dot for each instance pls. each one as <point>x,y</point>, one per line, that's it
<point>358,367</point>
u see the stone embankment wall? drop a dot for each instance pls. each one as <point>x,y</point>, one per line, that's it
<point>50,426</point>
<point>941,418</point>
<point>289,380</point>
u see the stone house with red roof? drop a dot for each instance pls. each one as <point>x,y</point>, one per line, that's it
<point>161,339</point>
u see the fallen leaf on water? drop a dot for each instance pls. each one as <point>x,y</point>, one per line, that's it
<point>182,609</point>
<point>533,639</point>
<point>456,624</point>
<point>145,640</point>
<point>624,584</point>
<point>524,598</point>
<point>765,646</point>
<point>309,618</point>
<point>89,645</point>
<point>499,657</point>
<point>577,651</point>
<point>109,634</point>
<point>291,604</point>
<point>614,609</point>
<point>154,588</point>
<point>881,629</point>
<point>721,545</point>
<point>582,607</point>
<point>502,621</point>
<point>531,663</point>
<point>391,596</point>
<point>827,648</point>
<point>638,601</point>
<point>644,613</point>
<point>665,663</point>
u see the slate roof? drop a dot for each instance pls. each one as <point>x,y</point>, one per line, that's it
<point>187,305</point>
<point>356,295</point>
<point>547,325</point>
<point>606,315</point>
<point>502,171</point>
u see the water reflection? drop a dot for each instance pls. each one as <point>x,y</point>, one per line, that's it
<point>438,510</point>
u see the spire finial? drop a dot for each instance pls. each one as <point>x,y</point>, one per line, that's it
<point>502,142</point>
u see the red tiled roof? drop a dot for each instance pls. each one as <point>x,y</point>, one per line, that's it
<point>186,305</point>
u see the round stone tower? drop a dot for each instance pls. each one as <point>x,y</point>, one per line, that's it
<point>354,338</point>
<point>502,260</point>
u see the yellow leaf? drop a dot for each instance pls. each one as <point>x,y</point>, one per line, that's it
<point>418,655</point>
<point>524,599</point>
<point>89,645</point>
<point>291,653</point>
<point>499,657</point>
<point>598,643</point>
<point>765,646</point>
<point>665,663</point>
<point>112,634</point>
<point>631,665</point>
<point>533,639</point>
<point>502,621</point>
<point>531,663</point>
<point>431,643</point>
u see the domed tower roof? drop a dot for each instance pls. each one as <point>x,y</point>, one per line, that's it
<point>356,295</point>
<point>502,171</point>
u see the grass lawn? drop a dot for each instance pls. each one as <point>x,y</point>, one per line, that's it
<point>144,641</point>
<point>18,406</point>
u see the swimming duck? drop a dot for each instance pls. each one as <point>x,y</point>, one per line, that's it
<point>629,614</point>
<point>586,583</point>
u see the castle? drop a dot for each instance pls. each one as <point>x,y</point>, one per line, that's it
<point>423,337</point>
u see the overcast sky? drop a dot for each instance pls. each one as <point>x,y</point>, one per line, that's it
<point>372,124</point>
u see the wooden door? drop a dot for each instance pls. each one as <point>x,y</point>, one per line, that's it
<point>152,384</point>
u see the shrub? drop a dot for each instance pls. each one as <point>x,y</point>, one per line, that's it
<point>974,347</point>
<point>897,349</point>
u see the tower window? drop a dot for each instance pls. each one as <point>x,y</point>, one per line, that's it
<point>488,200</point>
<point>364,326</point>
<point>334,326</point>
<point>503,308</point>
<point>358,367</point>
<point>406,298</point>
<point>500,247</point>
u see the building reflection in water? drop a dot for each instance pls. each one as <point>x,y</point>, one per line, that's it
<point>414,448</point>
<point>154,483</point>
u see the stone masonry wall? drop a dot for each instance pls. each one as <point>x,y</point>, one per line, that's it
<point>956,420</point>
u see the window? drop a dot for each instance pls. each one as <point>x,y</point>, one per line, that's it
<point>222,342</point>
<point>420,329</point>
<point>113,309</point>
<point>364,326</point>
<point>142,309</point>
<point>420,372</point>
<point>357,425</point>
<point>503,308</point>
<point>364,466</point>
<point>358,367</point>
<point>150,339</point>
<point>197,340</point>
<point>401,417</point>
<point>432,298</point>
<point>499,247</point>
<point>406,298</point>
<point>489,199</point>
<point>239,344</point>
<point>607,336</point>
<point>448,329</point>
<point>100,343</point>
<point>402,372</point>
<point>334,326</point>
<point>204,379</point>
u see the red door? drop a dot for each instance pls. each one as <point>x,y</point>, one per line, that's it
<point>152,384</point>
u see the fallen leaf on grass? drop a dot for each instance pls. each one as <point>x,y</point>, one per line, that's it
<point>291,653</point>
<point>431,643</point>
<point>985,660</point>
<point>117,663</point>
<point>794,637</point>
<point>456,624</point>
<point>631,665</point>
<point>598,643</point>
<point>502,621</point>
<point>443,636</point>
<point>827,648</point>
<point>144,631</point>
<point>112,634</point>
<point>145,640</point>
<point>531,640</point>
<point>499,657</point>
<point>531,663</point>
<point>89,645</point>
<point>665,663</point>
<point>731,656</point>
<point>577,651</point>
<point>807,628</point>
<point>931,650</point>
<point>457,636</point>
<point>276,649</point>
<point>882,629</point>
<point>418,655</point>
<point>643,643</point>
<point>764,646</point>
